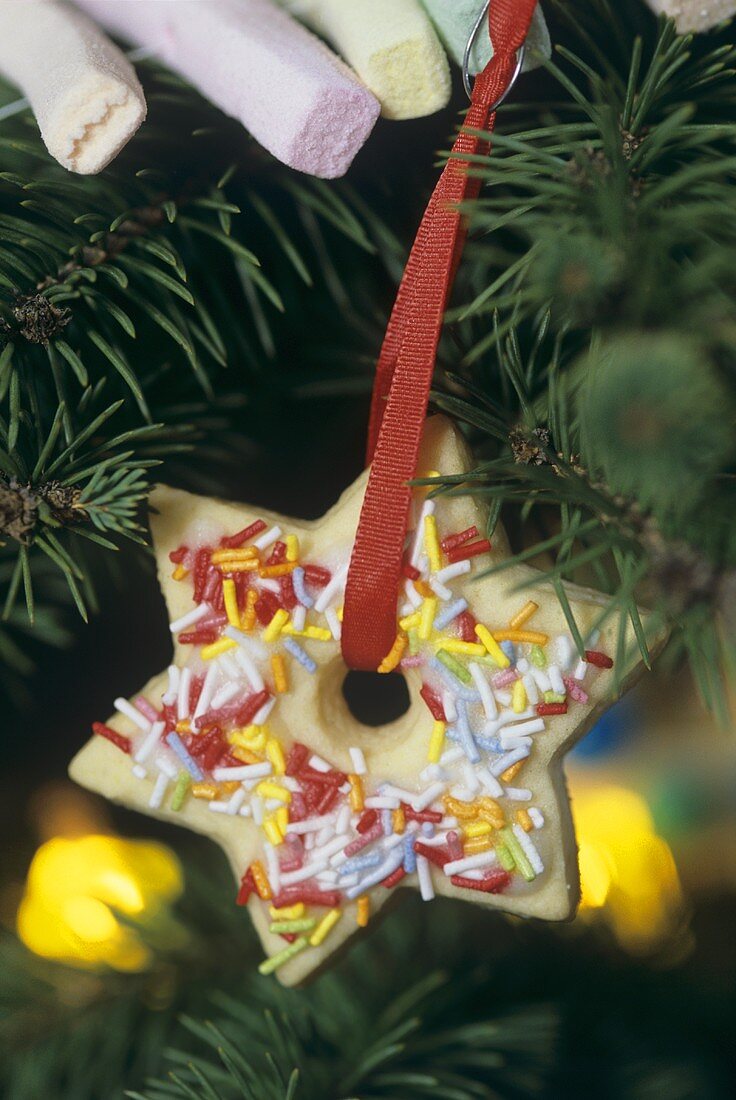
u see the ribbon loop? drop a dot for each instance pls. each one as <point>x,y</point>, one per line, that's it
<point>406,362</point>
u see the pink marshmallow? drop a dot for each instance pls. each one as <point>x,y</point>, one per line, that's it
<point>297,98</point>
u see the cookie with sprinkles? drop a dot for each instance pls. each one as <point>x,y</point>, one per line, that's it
<point>248,739</point>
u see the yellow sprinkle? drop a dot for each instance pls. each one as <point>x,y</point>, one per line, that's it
<point>477,828</point>
<point>246,554</point>
<point>489,810</point>
<point>183,726</point>
<point>457,645</point>
<point>263,886</point>
<point>394,655</point>
<point>518,697</point>
<point>180,573</point>
<point>275,754</point>
<point>534,637</point>
<point>274,628</point>
<point>292,548</point>
<point>492,646</point>
<point>325,926</point>
<point>231,601</point>
<point>429,610</point>
<point>511,773</point>
<point>245,755</point>
<point>318,633</point>
<point>340,612</point>
<point>436,742</point>
<point>279,570</point>
<point>249,615</point>
<point>524,615</point>
<point>279,673</point>
<point>432,544</point>
<point>252,737</point>
<point>464,810</point>
<point>216,648</point>
<point>364,910</point>
<point>267,789</point>
<point>229,787</point>
<point>205,790</point>
<point>522,816</point>
<point>357,803</point>
<point>410,621</point>
<point>272,831</point>
<point>282,818</point>
<point>288,912</point>
<point>478,844</point>
<point>398,820</point>
<point>247,565</point>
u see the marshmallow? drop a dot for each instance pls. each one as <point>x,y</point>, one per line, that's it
<point>695,15</point>
<point>392,46</point>
<point>286,87</point>
<point>83,91</point>
<point>455,19</point>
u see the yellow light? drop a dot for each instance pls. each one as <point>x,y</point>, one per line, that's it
<point>626,870</point>
<point>76,888</point>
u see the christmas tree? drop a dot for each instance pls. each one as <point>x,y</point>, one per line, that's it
<point>201,315</point>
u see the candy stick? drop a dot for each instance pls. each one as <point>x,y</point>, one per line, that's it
<point>83,91</point>
<point>392,46</point>
<point>454,21</point>
<point>260,66</point>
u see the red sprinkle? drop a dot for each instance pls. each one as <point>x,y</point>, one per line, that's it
<point>201,569</point>
<point>472,550</point>
<point>278,553</point>
<point>421,815</point>
<point>199,637</point>
<point>600,660</point>
<point>247,886</point>
<point>367,821</point>
<point>408,570</point>
<point>195,690</point>
<point>290,895</point>
<point>177,556</point>
<point>266,607</point>
<point>439,854</point>
<point>250,708</point>
<point>495,883</point>
<point>451,542</point>
<point>466,625</point>
<point>551,708</point>
<point>433,702</point>
<point>317,576</point>
<point>288,595</point>
<point>297,758</point>
<point>232,542</point>
<point>118,739</point>
<point>454,845</point>
<point>393,878</point>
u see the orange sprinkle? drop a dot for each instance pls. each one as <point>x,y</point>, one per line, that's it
<point>522,816</point>
<point>398,820</point>
<point>245,755</point>
<point>279,570</point>
<point>424,589</point>
<point>392,658</point>
<point>513,771</point>
<point>534,637</point>
<point>229,787</point>
<point>357,803</point>
<point>263,886</point>
<point>249,615</point>
<point>477,844</point>
<point>180,573</point>
<point>205,790</point>
<point>364,910</point>
<point>489,810</point>
<point>464,810</point>
<point>530,608</point>
<point>183,727</point>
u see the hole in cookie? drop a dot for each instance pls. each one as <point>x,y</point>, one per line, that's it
<point>375,699</point>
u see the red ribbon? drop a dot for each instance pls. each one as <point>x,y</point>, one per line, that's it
<point>406,363</point>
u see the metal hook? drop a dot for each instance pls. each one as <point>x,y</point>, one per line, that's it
<point>467,83</point>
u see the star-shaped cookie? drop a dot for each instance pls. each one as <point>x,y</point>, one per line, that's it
<point>248,737</point>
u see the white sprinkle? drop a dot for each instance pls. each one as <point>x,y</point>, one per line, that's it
<point>503,697</point>
<point>208,690</point>
<point>309,842</point>
<point>449,707</point>
<point>260,716</point>
<point>564,651</point>
<point>471,779</point>
<point>428,508</point>
<point>439,589</point>
<point>555,679</point>
<point>509,742</point>
<point>189,619</point>
<point>290,878</point>
<point>484,690</point>
<point>470,863</point>
<point>248,771</point>
<point>541,679</point>
<point>489,783</point>
<point>421,801</point>
<point>148,744</point>
<point>451,756</point>
<point>330,877</point>
<point>224,695</point>
<point>173,688</point>
<point>318,763</point>
<point>165,764</point>
<point>243,658</point>
<point>389,842</point>
<point>344,788</point>
<point>342,821</point>
<point>530,850</point>
<point>326,833</point>
<point>524,729</point>
<point>518,794</point>
<point>269,585</point>
<point>432,773</point>
<point>272,867</point>
<point>508,760</point>
<point>217,807</point>
<point>135,715</point>
<point>381,802</point>
<point>311,825</point>
<point>580,669</point>
<point>426,889</point>
<point>158,792</point>
<point>396,792</point>
<point>138,771</point>
<point>448,823</point>
<point>331,589</point>
<point>229,666</point>
<point>451,571</point>
<point>435,841</point>
<point>334,623</point>
<point>415,600</point>
<point>462,794</point>
<point>532,692</point>
<point>182,703</point>
<point>359,764</point>
<point>537,817</point>
<point>256,805</point>
<point>299,617</point>
<point>406,609</point>
<point>268,538</point>
<point>245,811</point>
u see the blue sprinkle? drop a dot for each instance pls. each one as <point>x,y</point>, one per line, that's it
<point>302,657</point>
<point>450,612</point>
<point>300,591</point>
<point>510,651</point>
<point>427,828</point>
<point>410,858</point>
<point>359,863</point>
<point>488,744</point>
<point>175,742</point>
<point>387,823</point>
<point>466,736</point>
<point>392,862</point>
<point>468,694</point>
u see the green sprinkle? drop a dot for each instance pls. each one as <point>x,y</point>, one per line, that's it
<point>505,858</point>
<point>523,864</point>
<point>538,656</point>
<point>413,642</point>
<point>488,661</point>
<point>302,925</point>
<point>454,666</point>
<point>553,697</point>
<point>180,790</point>
<point>269,965</point>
